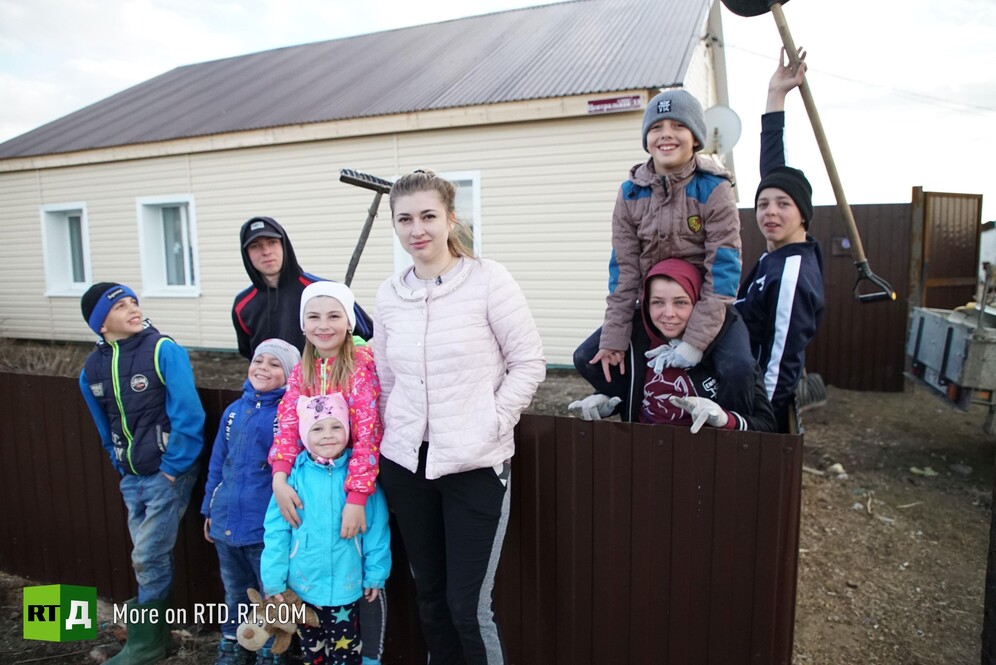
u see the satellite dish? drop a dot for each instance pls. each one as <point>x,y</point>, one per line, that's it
<point>722,130</point>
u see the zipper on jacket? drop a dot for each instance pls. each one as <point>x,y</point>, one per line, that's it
<point>117,399</point>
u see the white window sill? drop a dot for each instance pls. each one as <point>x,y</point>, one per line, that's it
<point>173,292</point>
<point>66,291</point>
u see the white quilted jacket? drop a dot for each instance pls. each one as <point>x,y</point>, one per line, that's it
<point>464,361</point>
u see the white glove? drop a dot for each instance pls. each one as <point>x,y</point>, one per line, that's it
<point>594,407</point>
<point>660,357</point>
<point>703,411</point>
<point>685,355</point>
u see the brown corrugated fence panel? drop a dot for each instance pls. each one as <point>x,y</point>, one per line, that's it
<point>952,248</point>
<point>626,544</point>
<point>858,346</point>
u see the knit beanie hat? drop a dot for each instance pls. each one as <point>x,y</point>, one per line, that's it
<point>794,183</point>
<point>286,354</point>
<point>335,290</point>
<point>677,105</point>
<point>98,300</point>
<point>311,410</point>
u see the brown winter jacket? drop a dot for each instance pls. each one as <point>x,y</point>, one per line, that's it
<point>689,215</point>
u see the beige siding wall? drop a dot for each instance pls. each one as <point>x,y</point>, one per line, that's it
<point>547,192</point>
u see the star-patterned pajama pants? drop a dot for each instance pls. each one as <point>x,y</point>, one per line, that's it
<point>336,640</point>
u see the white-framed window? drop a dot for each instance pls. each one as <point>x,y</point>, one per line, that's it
<point>468,211</point>
<point>167,238</point>
<point>66,249</point>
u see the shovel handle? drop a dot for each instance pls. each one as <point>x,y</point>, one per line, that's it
<point>865,274</point>
<point>857,249</point>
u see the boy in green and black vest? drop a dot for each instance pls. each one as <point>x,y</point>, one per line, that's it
<point>139,387</point>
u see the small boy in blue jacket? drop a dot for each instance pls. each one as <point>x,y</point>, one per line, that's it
<point>238,488</point>
<point>139,387</point>
<point>331,573</point>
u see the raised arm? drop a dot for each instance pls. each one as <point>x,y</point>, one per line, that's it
<point>782,81</point>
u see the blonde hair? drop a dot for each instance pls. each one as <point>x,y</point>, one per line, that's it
<point>426,180</point>
<point>342,368</point>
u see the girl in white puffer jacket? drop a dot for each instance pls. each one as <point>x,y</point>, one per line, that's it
<point>459,358</point>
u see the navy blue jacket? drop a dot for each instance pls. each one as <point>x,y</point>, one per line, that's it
<point>141,394</point>
<point>238,488</point>
<point>260,312</point>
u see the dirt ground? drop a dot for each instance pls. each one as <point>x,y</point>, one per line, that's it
<point>892,556</point>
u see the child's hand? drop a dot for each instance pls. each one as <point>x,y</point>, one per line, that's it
<point>207,530</point>
<point>609,357</point>
<point>287,499</point>
<point>354,520</point>
<point>279,597</point>
<point>371,594</point>
<point>785,78</point>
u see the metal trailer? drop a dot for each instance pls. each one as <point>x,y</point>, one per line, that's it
<point>954,351</point>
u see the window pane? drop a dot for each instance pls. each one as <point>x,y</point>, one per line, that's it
<point>464,204</point>
<point>75,227</point>
<point>173,246</point>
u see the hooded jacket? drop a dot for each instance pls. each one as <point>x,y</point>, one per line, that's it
<point>239,484</point>
<point>727,374</point>
<point>324,569</point>
<point>690,215</point>
<point>261,312</point>
<point>365,427</point>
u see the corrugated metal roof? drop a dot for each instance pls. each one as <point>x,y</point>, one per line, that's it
<point>571,48</point>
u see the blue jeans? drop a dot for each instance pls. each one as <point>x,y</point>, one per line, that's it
<point>239,571</point>
<point>155,507</point>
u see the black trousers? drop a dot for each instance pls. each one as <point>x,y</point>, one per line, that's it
<point>452,528</point>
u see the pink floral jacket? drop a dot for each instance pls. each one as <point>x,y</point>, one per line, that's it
<point>365,426</point>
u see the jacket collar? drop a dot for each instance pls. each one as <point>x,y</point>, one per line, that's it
<point>645,176</point>
<point>449,286</point>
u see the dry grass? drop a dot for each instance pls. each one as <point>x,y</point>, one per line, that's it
<point>44,358</point>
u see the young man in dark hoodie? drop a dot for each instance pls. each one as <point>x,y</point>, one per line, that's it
<point>270,306</point>
<point>781,299</point>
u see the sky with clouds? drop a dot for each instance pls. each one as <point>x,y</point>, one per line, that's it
<point>906,89</point>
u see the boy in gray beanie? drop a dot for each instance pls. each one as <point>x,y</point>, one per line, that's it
<point>677,204</point>
<point>238,488</point>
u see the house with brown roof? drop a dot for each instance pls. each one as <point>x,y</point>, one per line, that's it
<point>534,112</point>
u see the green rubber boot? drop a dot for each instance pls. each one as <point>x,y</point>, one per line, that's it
<point>147,639</point>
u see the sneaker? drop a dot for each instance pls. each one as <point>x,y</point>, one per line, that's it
<point>267,657</point>
<point>231,652</point>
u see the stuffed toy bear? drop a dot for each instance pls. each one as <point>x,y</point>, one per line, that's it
<point>253,636</point>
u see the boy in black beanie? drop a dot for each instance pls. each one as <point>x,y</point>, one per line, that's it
<point>139,387</point>
<point>781,299</point>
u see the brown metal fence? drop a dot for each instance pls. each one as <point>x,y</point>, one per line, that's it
<point>627,543</point>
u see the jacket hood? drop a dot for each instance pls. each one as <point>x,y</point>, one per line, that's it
<point>290,269</point>
<point>681,271</point>
<point>644,174</point>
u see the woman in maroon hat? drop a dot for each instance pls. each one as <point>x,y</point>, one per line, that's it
<point>724,390</point>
